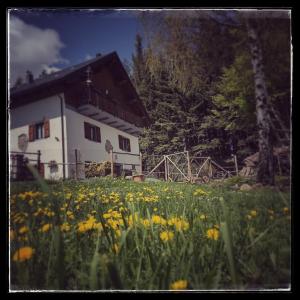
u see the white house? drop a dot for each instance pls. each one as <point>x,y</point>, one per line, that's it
<point>78,114</point>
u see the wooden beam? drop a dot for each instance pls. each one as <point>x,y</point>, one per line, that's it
<point>110,123</point>
<point>93,115</point>
<point>103,119</point>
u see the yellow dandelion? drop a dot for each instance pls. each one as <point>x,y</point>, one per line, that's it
<point>253,213</point>
<point>285,209</point>
<point>46,227</point>
<point>166,236</point>
<point>213,234</point>
<point>65,227</point>
<point>203,217</point>
<point>23,254</point>
<point>23,230</point>
<point>179,285</point>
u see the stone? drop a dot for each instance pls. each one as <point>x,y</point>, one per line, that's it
<point>245,187</point>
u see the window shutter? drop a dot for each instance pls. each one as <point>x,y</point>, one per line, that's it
<point>87,130</point>
<point>31,133</point>
<point>120,142</point>
<point>46,128</point>
<point>98,134</point>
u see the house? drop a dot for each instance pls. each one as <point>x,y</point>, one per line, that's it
<point>78,114</point>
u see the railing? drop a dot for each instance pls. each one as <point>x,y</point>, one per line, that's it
<point>106,104</point>
<point>18,165</point>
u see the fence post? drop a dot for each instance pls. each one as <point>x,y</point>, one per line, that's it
<point>141,162</point>
<point>210,168</point>
<point>166,170</point>
<point>236,165</point>
<point>39,160</point>
<point>189,166</point>
<point>76,161</point>
<point>112,163</point>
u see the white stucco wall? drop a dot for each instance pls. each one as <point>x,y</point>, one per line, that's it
<point>94,151</point>
<point>51,148</point>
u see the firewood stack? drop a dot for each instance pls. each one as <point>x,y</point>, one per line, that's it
<point>97,169</point>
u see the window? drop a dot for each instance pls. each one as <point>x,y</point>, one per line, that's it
<point>39,130</point>
<point>124,143</point>
<point>92,132</point>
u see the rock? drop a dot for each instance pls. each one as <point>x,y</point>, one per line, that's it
<point>245,187</point>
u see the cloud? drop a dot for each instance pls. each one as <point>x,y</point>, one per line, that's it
<point>32,48</point>
<point>88,57</point>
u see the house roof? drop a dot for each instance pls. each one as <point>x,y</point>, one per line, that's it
<point>57,75</point>
<point>60,76</point>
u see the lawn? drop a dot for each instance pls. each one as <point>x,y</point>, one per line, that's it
<point>105,234</point>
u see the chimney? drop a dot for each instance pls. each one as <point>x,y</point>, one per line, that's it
<point>29,77</point>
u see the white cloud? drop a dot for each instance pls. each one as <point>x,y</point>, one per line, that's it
<point>32,48</point>
<point>88,56</point>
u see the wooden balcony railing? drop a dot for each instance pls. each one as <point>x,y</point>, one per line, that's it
<point>109,106</point>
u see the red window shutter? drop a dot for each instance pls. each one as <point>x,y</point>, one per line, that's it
<point>47,128</point>
<point>98,134</point>
<point>87,130</point>
<point>31,133</point>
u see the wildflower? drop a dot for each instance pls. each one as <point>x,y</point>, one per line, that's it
<point>203,217</point>
<point>23,229</point>
<point>285,209</point>
<point>200,192</point>
<point>213,234</point>
<point>155,209</point>
<point>253,213</point>
<point>45,227</point>
<point>179,224</point>
<point>249,217</point>
<point>166,236</point>
<point>23,254</point>
<point>146,223</point>
<point>179,285</point>
<point>158,220</point>
<point>65,227</point>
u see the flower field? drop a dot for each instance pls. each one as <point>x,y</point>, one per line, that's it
<point>105,234</point>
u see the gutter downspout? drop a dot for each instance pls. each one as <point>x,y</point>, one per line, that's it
<point>62,134</point>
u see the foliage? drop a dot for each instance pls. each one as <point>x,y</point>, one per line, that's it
<point>196,81</point>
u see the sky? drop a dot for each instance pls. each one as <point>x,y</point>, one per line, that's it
<point>56,39</point>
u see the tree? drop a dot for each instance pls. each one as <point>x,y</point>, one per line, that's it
<point>265,172</point>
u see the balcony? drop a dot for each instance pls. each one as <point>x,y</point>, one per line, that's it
<point>107,112</point>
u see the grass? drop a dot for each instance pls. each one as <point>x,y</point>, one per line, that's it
<point>107,233</point>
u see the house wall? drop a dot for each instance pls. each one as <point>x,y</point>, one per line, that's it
<point>94,151</point>
<point>51,148</point>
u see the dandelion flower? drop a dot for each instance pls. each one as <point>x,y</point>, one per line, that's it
<point>23,254</point>
<point>46,227</point>
<point>253,213</point>
<point>179,285</point>
<point>166,236</point>
<point>213,234</point>
<point>23,229</point>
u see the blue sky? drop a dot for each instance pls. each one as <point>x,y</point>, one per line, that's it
<point>60,38</point>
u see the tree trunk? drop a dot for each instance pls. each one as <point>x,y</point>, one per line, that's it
<point>265,172</point>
